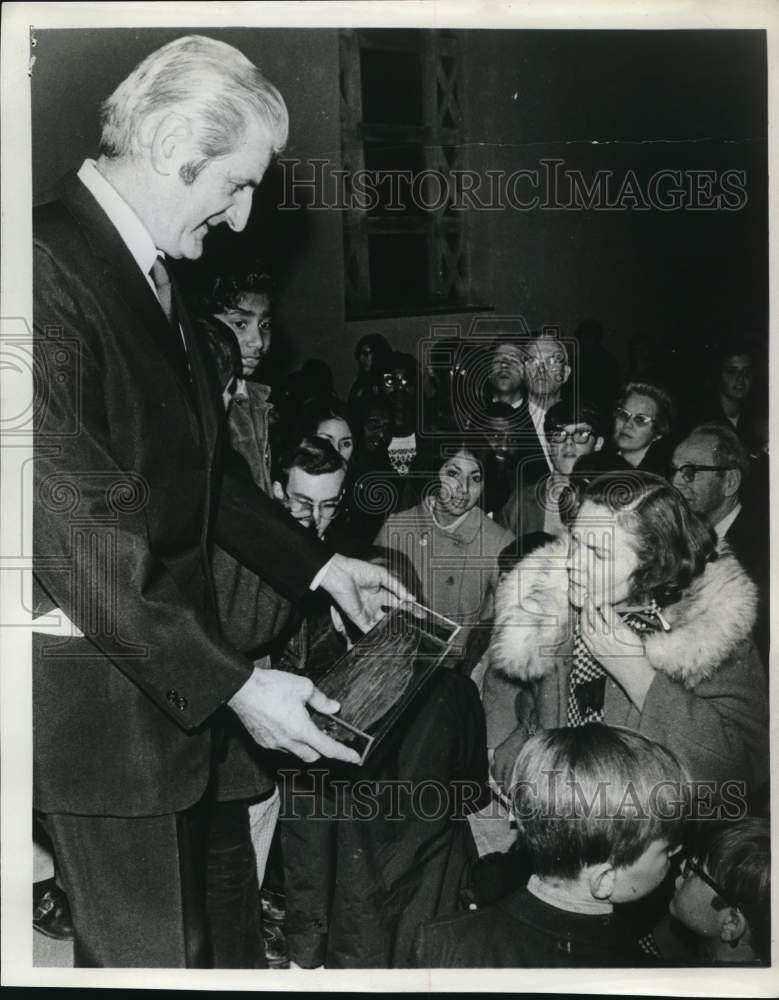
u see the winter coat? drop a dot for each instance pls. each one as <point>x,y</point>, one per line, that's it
<point>708,702</point>
<point>458,569</point>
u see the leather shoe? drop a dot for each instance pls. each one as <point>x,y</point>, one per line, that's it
<point>51,912</point>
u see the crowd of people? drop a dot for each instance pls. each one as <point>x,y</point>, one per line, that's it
<point>599,728</point>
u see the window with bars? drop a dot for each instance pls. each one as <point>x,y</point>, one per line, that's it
<point>405,250</point>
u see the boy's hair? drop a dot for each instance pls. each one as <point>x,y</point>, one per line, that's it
<point>222,291</point>
<point>314,455</point>
<point>562,414</point>
<point>589,794</point>
<point>737,856</point>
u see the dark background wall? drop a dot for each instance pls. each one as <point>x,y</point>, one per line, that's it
<point>618,101</point>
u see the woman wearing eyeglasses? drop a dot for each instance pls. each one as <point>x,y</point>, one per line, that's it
<point>640,439</point>
<point>636,621</point>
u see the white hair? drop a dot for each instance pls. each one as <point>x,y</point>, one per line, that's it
<point>210,83</point>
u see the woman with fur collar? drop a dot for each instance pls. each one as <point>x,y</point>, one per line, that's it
<point>635,621</point>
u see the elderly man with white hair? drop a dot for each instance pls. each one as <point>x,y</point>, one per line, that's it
<point>134,481</point>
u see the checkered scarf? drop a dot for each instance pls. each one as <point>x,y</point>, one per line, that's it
<point>587,680</point>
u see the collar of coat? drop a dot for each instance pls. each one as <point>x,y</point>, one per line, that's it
<point>534,621</point>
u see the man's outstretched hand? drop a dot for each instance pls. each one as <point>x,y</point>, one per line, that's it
<point>362,590</point>
<point>272,707</point>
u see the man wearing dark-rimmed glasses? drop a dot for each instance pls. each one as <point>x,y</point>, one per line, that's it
<point>709,468</point>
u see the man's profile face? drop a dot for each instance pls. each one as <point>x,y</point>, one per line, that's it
<point>546,367</point>
<point>507,368</point>
<point>250,321</point>
<point>221,193</point>
<point>736,377</point>
<point>312,500</point>
<point>706,493</point>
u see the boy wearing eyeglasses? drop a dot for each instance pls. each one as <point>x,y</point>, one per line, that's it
<point>723,894</point>
<point>534,507</point>
<point>308,480</point>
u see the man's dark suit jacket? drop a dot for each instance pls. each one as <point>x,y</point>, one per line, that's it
<point>132,485</point>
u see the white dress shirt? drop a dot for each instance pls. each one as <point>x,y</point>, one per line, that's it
<point>723,527</point>
<point>537,415</point>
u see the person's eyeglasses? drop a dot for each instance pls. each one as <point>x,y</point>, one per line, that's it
<point>689,472</point>
<point>639,419</point>
<point>308,508</point>
<point>396,382</point>
<point>580,436</point>
<point>690,868</point>
<point>557,361</point>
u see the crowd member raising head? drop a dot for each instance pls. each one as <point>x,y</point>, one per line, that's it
<point>452,545</point>
<point>371,354</point>
<point>640,624</point>
<point>507,372</point>
<point>567,789</point>
<point>723,895</point>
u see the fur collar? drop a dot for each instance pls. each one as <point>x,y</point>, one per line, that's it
<point>533,620</point>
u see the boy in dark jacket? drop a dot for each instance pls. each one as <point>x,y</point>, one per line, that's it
<point>600,812</point>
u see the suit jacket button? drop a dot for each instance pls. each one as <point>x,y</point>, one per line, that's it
<point>179,701</point>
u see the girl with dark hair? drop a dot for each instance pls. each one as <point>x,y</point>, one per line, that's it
<point>635,621</point>
<point>451,544</point>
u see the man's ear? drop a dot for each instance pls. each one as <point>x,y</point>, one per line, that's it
<point>732,925</point>
<point>278,491</point>
<point>731,482</point>
<point>170,142</point>
<point>602,879</point>
<point>566,374</point>
<point>598,444</point>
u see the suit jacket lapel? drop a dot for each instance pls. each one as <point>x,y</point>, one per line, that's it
<point>202,381</point>
<point>122,273</point>
<point>124,276</point>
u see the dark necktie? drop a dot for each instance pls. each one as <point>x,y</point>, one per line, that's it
<point>161,278</point>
